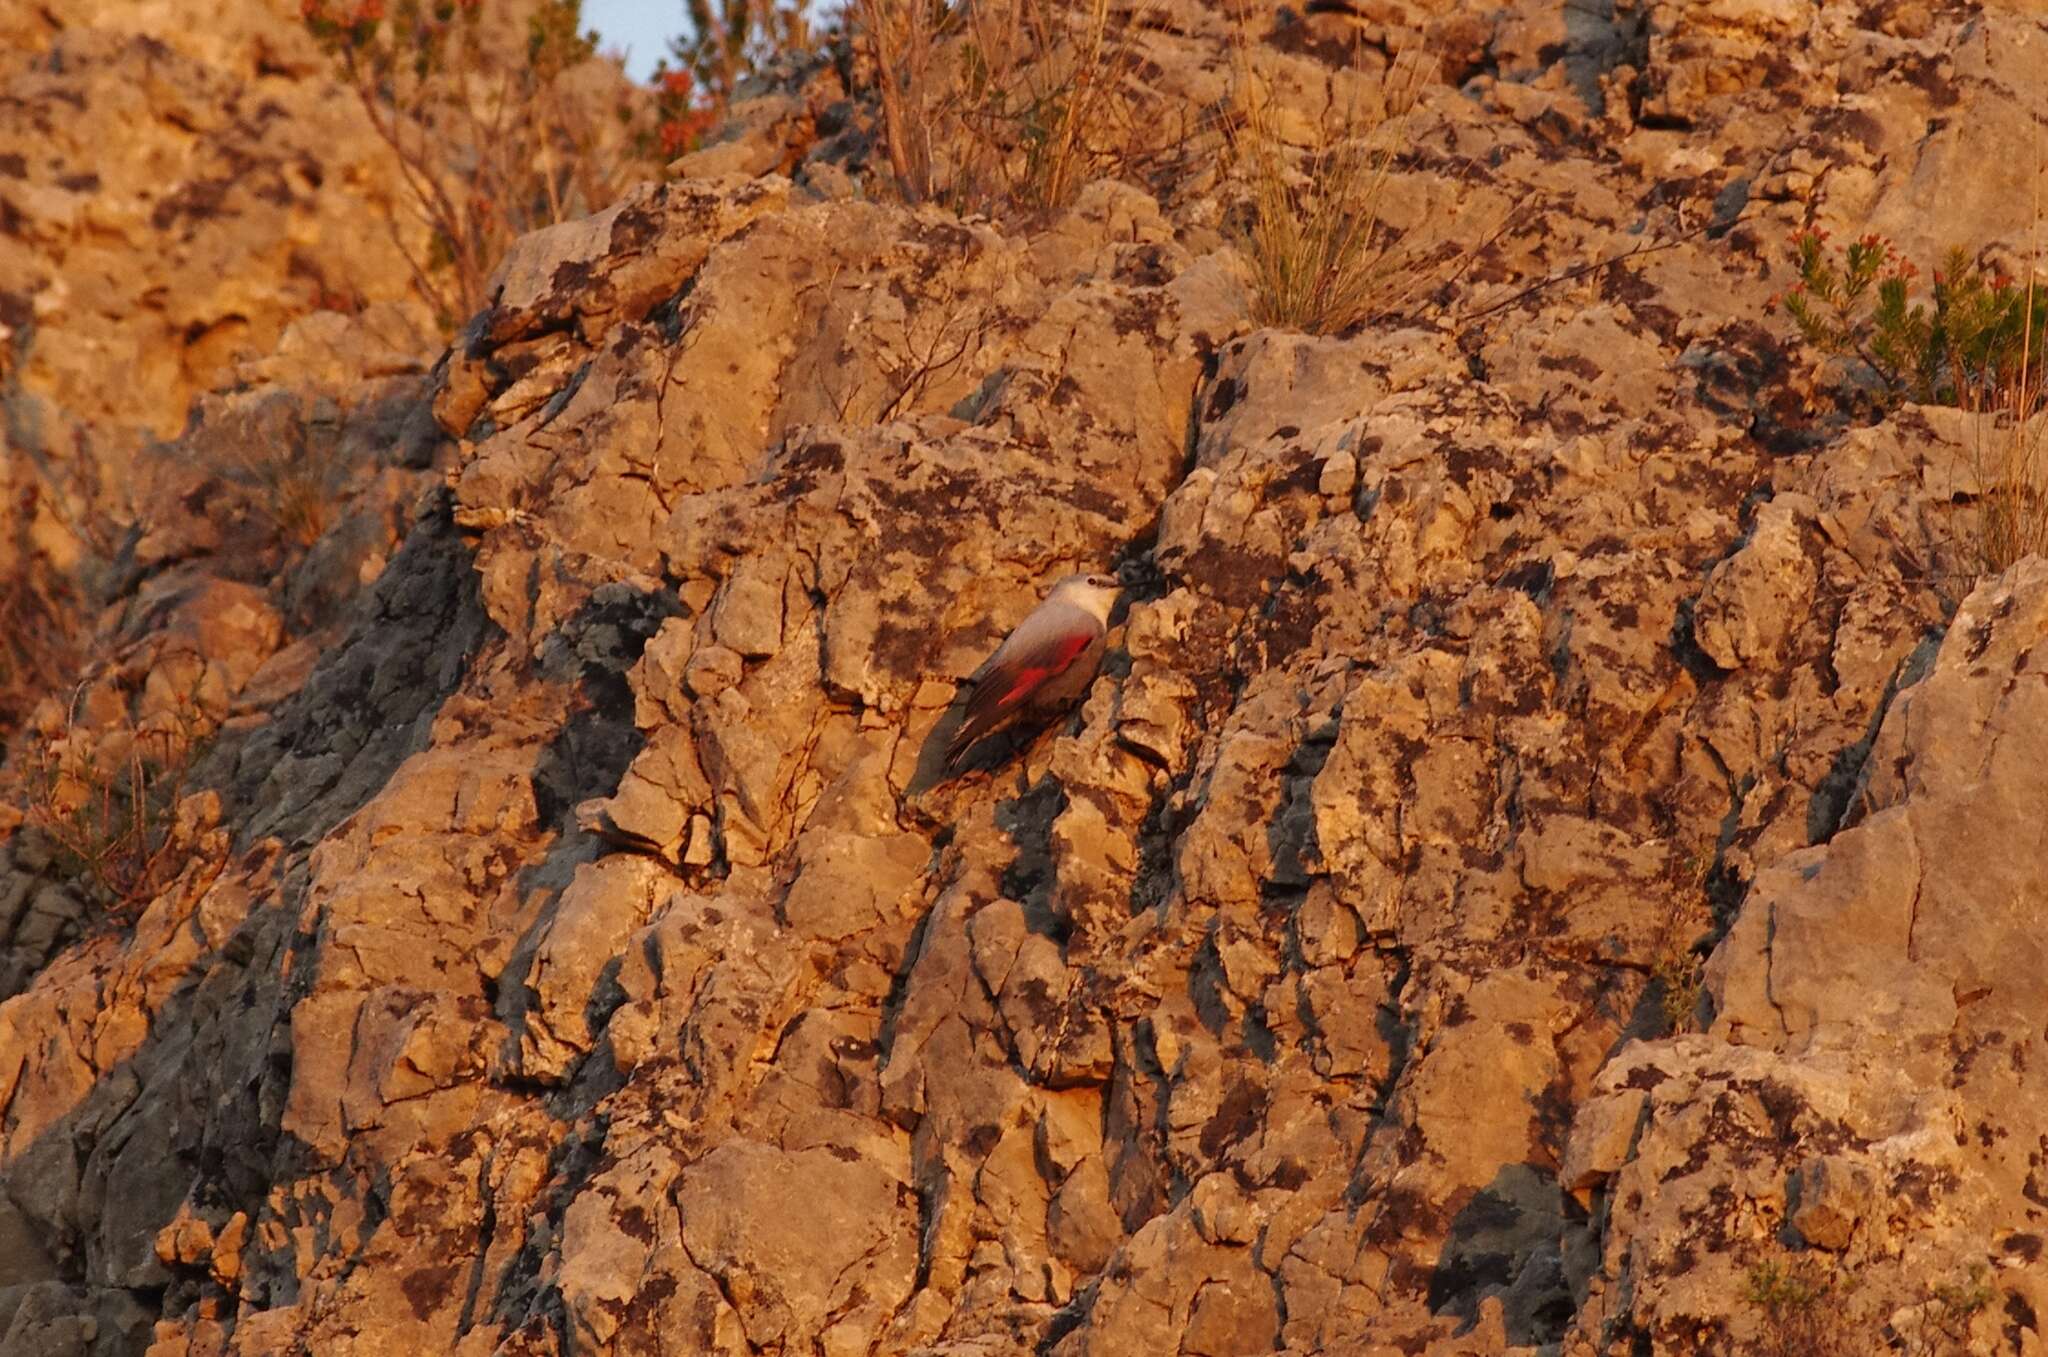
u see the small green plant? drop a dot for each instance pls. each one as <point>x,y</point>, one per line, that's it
<point>1944,1329</point>
<point>1971,337</point>
<point>1975,342</point>
<point>728,40</point>
<point>1960,1300</point>
<point>1804,1307</point>
<point>1801,1310</point>
<point>1855,307</point>
<point>1776,1288</point>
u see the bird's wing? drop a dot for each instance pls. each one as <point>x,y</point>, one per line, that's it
<point>1031,658</point>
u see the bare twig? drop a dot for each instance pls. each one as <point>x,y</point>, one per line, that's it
<point>486,145</point>
<point>1717,226</point>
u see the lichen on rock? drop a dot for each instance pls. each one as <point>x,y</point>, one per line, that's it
<point>575,954</point>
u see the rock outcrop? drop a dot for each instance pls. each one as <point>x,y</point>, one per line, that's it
<point>178,189</point>
<point>571,958</point>
<point>191,200</point>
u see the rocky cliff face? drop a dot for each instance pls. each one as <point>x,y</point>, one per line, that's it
<point>572,958</point>
<point>190,202</point>
<point>180,184</point>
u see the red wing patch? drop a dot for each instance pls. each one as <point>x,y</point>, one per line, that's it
<point>1051,663</point>
<point>1011,684</point>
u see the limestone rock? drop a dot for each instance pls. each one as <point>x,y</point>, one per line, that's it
<point>1834,1194</point>
<point>1755,597</point>
<point>577,949</point>
<point>751,1216</point>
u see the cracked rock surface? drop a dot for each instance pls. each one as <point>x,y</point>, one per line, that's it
<point>191,200</point>
<point>582,959</point>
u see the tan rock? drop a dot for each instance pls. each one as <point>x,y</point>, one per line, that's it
<point>1755,598</point>
<point>586,953</point>
<point>1834,1194</point>
<point>750,1213</point>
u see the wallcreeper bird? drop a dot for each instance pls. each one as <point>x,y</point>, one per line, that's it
<point>1047,662</point>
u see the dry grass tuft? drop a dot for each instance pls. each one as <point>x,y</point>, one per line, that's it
<point>1045,105</point>
<point>1322,254</point>
<point>1677,974</point>
<point>297,483</point>
<point>2010,454</point>
<point>108,801</point>
<point>903,37</point>
<point>1680,979</point>
<point>1006,106</point>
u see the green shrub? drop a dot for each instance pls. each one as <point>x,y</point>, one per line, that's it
<point>1801,1310</point>
<point>1975,342</point>
<point>1975,335</point>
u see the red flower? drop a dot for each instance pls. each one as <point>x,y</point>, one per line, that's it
<point>677,83</point>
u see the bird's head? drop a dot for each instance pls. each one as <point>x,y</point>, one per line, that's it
<point>1094,594</point>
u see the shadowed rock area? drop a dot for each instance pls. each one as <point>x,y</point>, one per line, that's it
<point>564,961</point>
